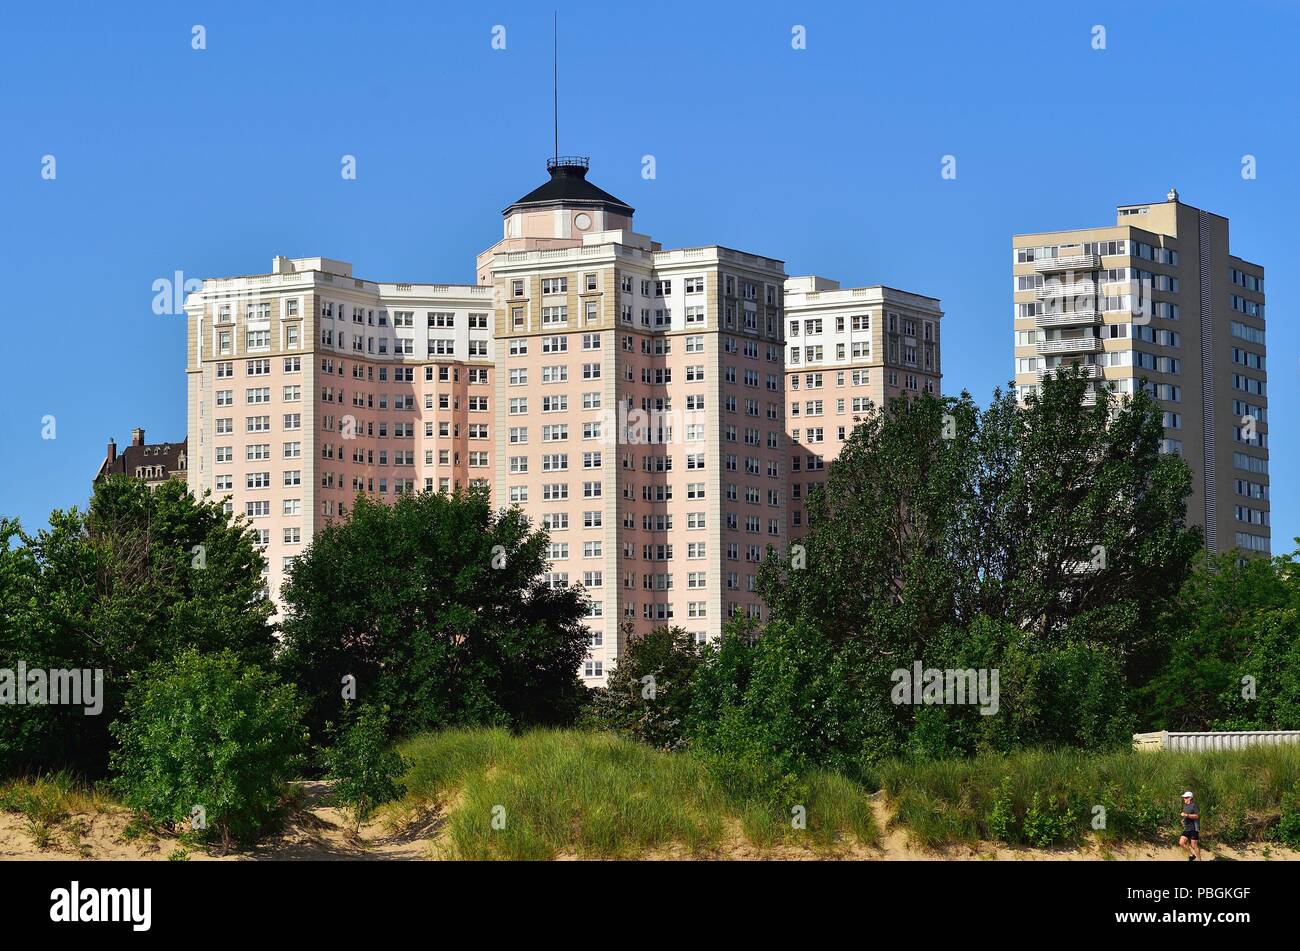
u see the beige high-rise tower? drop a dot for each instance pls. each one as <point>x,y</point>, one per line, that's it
<point>1158,297</point>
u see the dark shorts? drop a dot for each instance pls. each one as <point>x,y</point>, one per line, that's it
<point>1191,834</point>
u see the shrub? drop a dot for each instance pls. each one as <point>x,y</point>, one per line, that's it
<point>1048,823</point>
<point>203,732</point>
<point>363,765</point>
<point>791,696</point>
<point>649,693</point>
<point>1288,825</point>
<point>1136,815</point>
<point>1002,817</point>
<point>747,773</point>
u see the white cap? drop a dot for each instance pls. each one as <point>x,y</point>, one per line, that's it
<point>1187,794</point>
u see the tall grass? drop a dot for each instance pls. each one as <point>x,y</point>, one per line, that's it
<point>46,801</point>
<point>593,795</point>
<point>1052,798</point>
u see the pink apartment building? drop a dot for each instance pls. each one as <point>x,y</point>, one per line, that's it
<point>629,398</point>
<point>848,351</point>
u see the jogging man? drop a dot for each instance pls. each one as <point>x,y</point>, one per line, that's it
<point>1191,837</point>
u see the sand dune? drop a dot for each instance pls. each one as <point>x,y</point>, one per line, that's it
<point>318,830</point>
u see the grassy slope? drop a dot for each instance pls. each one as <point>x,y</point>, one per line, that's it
<point>593,795</point>
<point>571,793</point>
<point>1240,795</point>
<point>568,793</point>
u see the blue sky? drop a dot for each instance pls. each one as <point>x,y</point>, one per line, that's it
<point>211,162</point>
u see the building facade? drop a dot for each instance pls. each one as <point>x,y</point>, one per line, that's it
<point>848,351</point>
<point>307,386</point>
<point>629,398</point>
<point>625,375</point>
<point>152,463</point>
<point>1158,300</point>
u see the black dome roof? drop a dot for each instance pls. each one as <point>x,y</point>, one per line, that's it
<point>569,186</point>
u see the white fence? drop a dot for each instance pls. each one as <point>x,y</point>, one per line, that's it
<point>1225,740</point>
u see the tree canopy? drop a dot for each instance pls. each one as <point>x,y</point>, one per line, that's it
<point>138,577</point>
<point>437,607</point>
<point>1229,658</point>
<point>1038,538</point>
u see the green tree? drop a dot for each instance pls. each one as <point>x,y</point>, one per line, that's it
<point>1046,514</point>
<point>1039,538</point>
<point>363,765</point>
<point>1235,618</point>
<point>648,695</point>
<point>209,744</point>
<point>439,609</point>
<point>141,575</point>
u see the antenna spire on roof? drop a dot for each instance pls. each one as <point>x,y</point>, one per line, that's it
<point>555,77</point>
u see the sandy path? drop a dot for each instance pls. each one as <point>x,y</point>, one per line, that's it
<point>318,830</point>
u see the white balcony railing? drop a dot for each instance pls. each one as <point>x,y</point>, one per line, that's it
<point>1057,291</point>
<point>1070,345</point>
<point>1087,261</point>
<point>1069,318</point>
<point>1090,370</point>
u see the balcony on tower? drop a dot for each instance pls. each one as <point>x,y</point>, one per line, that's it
<point>1071,318</point>
<point>1058,290</point>
<point>1069,345</point>
<point>1091,371</point>
<point>1072,258</point>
